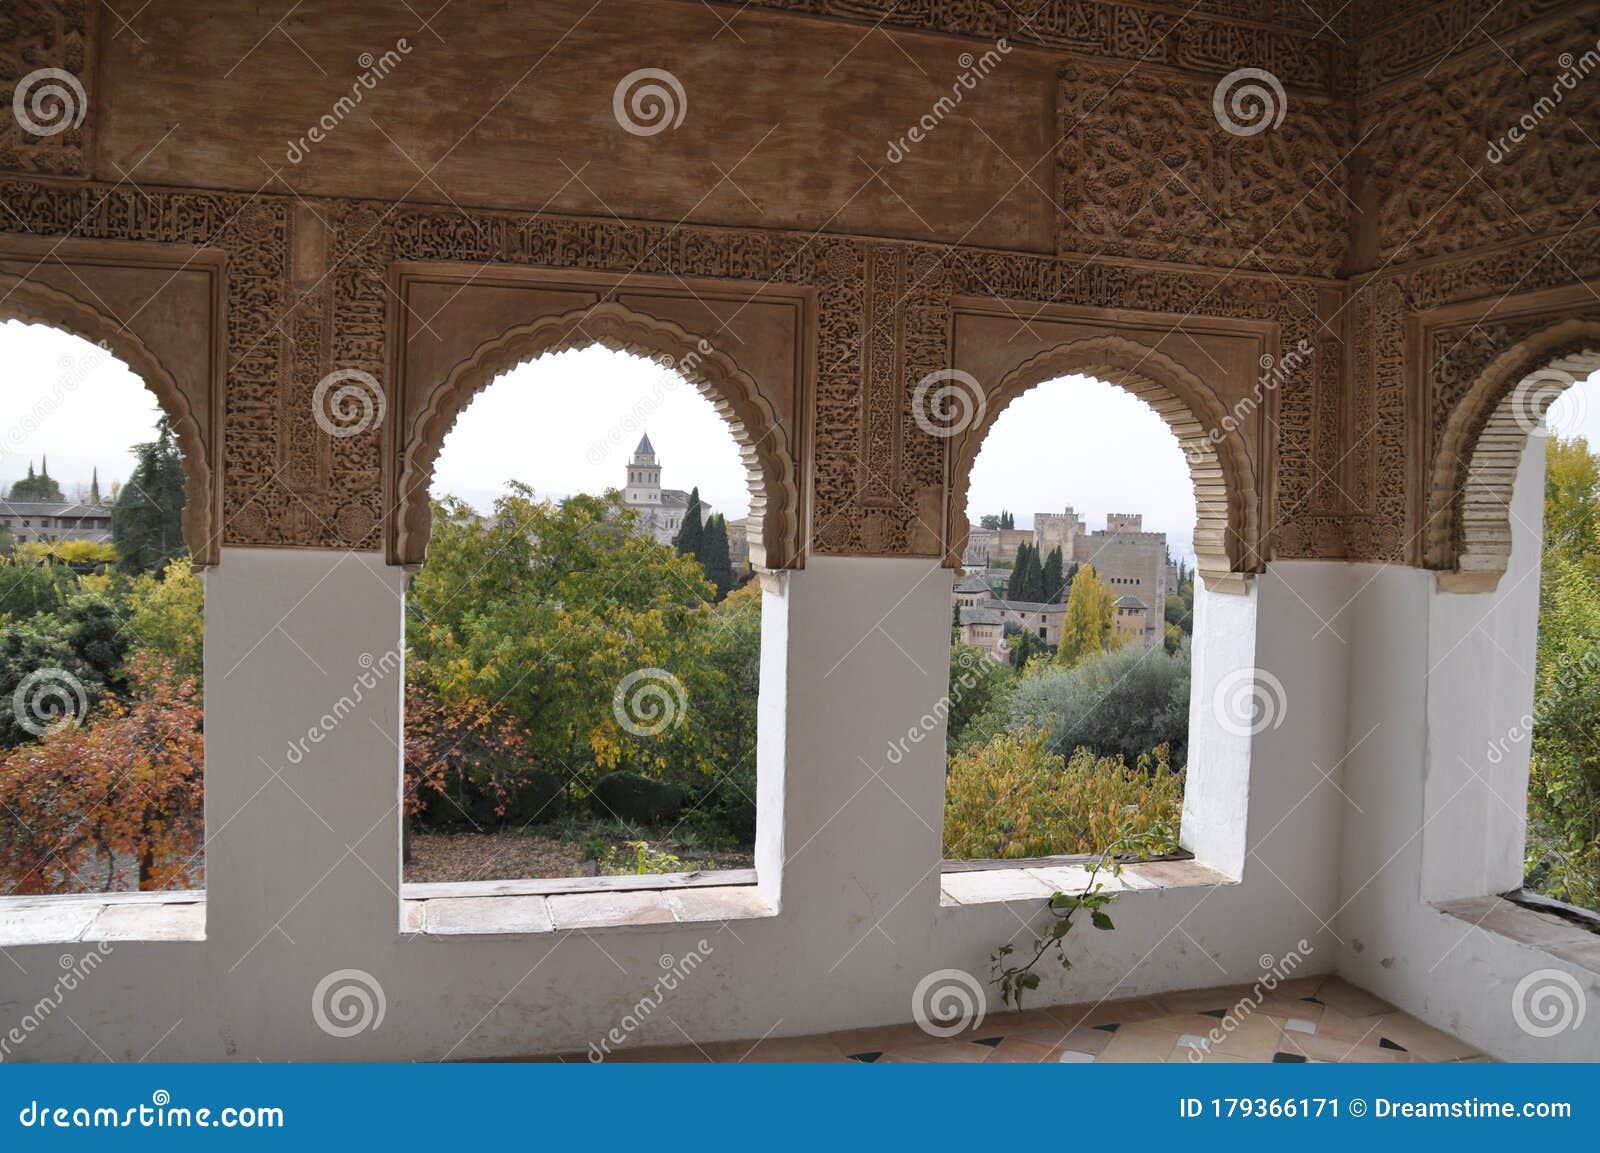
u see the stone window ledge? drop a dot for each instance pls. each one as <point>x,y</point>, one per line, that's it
<point>1563,938</point>
<point>520,908</point>
<point>987,886</point>
<point>65,920</point>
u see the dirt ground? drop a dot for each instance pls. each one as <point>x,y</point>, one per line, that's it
<point>509,854</point>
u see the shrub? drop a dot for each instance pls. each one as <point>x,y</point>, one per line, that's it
<point>82,640</point>
<point>639,858</point>
<point>1013,797</point>
<point>630,797</point>
<point>1122,703</point>
<point>464,760</point>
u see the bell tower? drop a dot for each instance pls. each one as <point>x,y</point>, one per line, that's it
<point>644,475</point>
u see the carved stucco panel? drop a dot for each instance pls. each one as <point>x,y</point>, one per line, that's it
<point>1145,169</point>
<point>37,35</point>
<point>1446,174</point>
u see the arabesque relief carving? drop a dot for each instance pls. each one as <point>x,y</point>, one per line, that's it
<point>1160,211</point>
<point>1146,169</point>
<point>1488,150</point>
<point>44,51</point>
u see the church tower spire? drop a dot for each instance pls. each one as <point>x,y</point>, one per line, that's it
<point>644,475</point>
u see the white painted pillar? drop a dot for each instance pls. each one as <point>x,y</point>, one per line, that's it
<point>1481,654</point>
<point>1216,793</point>
<point>303,715</point>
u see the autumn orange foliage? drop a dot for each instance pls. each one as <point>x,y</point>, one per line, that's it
<point>456,746</point>
<point>125,786</point>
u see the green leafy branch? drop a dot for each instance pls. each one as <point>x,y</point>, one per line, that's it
<point>1015,978</point>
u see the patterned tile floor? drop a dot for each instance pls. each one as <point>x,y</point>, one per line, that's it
<point>1305,1019</point>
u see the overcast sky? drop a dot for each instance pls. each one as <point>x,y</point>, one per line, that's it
<point>568,422</point>
<point>65,397</point>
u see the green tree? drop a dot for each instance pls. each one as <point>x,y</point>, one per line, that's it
<point>714,560</point>
<point>1571,508</point>
<point>37,487</point>
<point>166,615</point>
<point>1179,610</point>
<point>1054,583</point>
<point>147,520</point>
<point>733,660</point>
<point>548,610</point>
<point>989,520</point>
<point>1564,769</point>
<point>1017,582</point>
<point>1033,579</point>
<point>1026,645</point>
<point>690,540</point>
<point>1088,628</point>
<point>1007,520</point>
<point>979,687</point>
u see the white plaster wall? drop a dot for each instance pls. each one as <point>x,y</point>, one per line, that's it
<point>303,859</point>
<point>1439,679</point>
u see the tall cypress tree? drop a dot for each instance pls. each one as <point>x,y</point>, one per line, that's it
<point>1019,568</point>
<point>1052,576</point>
<point>147,520</point>
<point>716,562</point>
<point>1033,579</point>
<point>690,540</point>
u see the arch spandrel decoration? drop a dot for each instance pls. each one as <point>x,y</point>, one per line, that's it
<point>1228,518</point>
<point>765,444</point>
<point>1468,532</point>
<point>35,303</point>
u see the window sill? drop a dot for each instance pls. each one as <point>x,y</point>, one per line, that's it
<point>1558,936</point>
<point>63,920</point>
<point>523,908</point>
<point>987,886</point>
